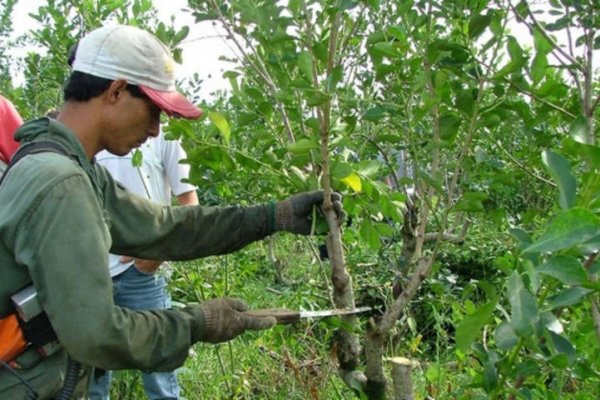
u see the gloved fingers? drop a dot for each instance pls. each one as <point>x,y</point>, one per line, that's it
<point>336,197</point>
<point>236,304</point>
<point>315,197</point>
<point>304,202</point>
<point>339,210</point>
<point>258,323</point>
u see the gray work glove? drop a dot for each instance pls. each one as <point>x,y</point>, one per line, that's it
<point>295,213</point>
<point>224,319</point>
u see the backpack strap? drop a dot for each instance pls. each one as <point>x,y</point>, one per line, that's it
<point>44,146</point>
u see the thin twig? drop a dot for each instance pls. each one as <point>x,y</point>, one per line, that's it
<point>572,53</point>
<point>524,168</point>
<point>546,36</point>
<point>534,96</point>
<point>322,269</point>
<point>258,67</point>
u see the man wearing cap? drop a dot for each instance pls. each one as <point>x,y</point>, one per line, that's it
<point>62,214</point>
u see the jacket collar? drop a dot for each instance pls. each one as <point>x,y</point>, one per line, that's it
<point>50,129</point>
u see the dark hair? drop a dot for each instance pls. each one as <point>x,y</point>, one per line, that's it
<point>83,87</point>
<point>72,52</point>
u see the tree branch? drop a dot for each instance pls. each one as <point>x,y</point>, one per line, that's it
<point>546,36</point>
<point>525,169</point>
<point>258,67</point>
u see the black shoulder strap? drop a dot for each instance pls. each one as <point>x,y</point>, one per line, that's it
<point>33,148</point>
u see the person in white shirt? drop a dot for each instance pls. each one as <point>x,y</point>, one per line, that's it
<point>136,285</point>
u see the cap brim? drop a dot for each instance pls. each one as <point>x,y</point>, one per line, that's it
<point>174,104</point>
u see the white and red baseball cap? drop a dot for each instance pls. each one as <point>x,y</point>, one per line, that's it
<point>130,53</point>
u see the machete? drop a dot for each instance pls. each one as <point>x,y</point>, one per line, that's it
<point>284,316</point>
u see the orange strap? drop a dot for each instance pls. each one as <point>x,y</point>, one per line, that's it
<point>12,342</point>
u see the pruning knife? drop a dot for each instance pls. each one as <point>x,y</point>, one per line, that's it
<point>285,316</point>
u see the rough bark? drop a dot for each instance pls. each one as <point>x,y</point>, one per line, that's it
<point>347,344</point>
<point>376,382</point>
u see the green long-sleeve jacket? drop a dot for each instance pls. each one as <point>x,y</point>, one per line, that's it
<point>59,218</point>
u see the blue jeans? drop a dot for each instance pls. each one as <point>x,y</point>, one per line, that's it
<point>137,290</point>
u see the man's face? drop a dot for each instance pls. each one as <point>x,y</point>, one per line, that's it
<point>131,121</point>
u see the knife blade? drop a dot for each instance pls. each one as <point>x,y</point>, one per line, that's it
<point>285,316</point>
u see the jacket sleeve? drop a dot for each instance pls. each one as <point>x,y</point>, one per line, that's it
<point>145,229</point>
<point>63,241</point>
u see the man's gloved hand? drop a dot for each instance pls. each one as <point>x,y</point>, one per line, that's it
<point>225,319</point>
<point>294,214</point>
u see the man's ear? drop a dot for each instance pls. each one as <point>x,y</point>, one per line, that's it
<point>115,91</point>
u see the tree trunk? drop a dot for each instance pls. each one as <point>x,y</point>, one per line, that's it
<point>402,377</point>
<point>376,382</point>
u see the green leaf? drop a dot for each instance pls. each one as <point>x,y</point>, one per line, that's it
<point>431,181</point>
<point>527,368</point>
<point>449,124</point>
<point>440,79</point>
<point>138,158</point>
<point>516,57</point>
<point>490,376</point>
<point>317,98</point>
<point>579,131</point>
<point>386,49</point>
<point>523,306</point>
<point>266,108</point>
<point>471,202</point>
<point>568,297</point>
<point>182,34</point>
<point>368,168</point>
<point>375,37</point>
<point>548,321</point>
<point>570,228</point>
<point>477,24</point>
<point>369,234</point>
<point>470,326</point>
<point>382,70</point>
<point>489,119</point>
<point>559,361</point>
<point>560,170</point>
<point>514,49</point>
<point>384,229</point>
<point>302,146</point>
<point>295,6</point>
<point>566,269</point>
<point>221,124</point>
<point>397,31</point>
<point>542,45</point>
<point>505,337</point>
<point>215,158</point>
<point>305,65</point>
<point>313,123</point>
<point>519,234</point>
<point>521,10</point>
<point>374,114</point>
<point>465,101</point>
<point>538,67</point>
<point>337,74</point>
<point>341,170</point>
<point>586,152</point>
<point>348,4</point>
<point>563,346</point>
